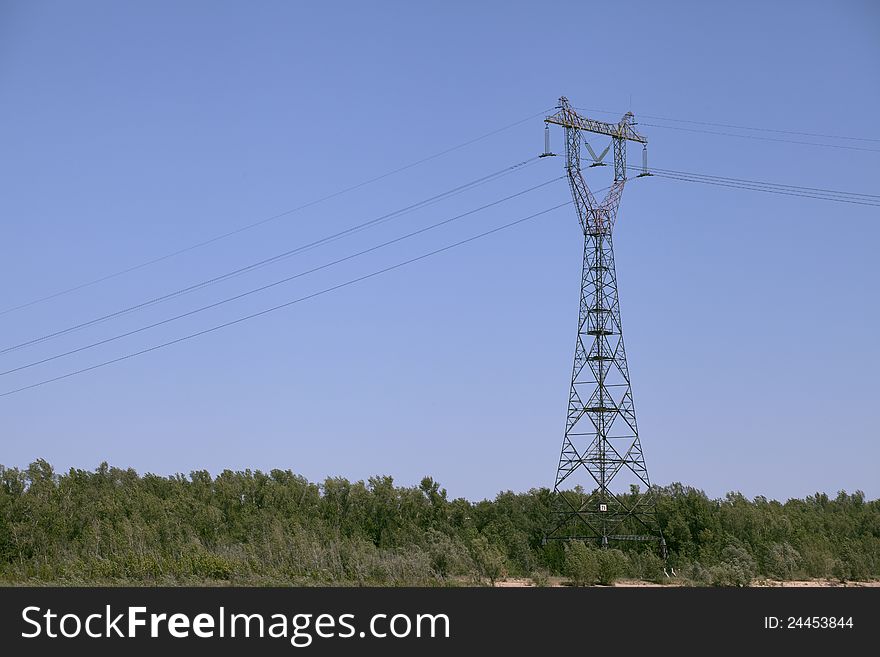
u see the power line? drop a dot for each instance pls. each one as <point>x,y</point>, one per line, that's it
<point>759,182</point>
<point>741,127</point>
<point>858,198</point>
<point>824,194</point>
<point>761,129</point>
<point>759,189</point>
<point>266,311</point>
<point>760,138</point>
<point>262,288</point>
<point>278,257</point>
<point>260,222</point>
<point>735,183</point>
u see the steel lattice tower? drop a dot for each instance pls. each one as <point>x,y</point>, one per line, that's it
<point>601,435</point>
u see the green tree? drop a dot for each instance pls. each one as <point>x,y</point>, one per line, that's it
<point>488,559</point>
<point>581,563</point>
<point>612,564</point>
<point>782,561</point>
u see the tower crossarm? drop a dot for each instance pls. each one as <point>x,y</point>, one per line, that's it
<point>594,216</point>
<point>567,117</point>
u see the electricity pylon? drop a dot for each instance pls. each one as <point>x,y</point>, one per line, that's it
<point>601,435</point>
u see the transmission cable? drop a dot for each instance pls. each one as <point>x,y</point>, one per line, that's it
<point>854,198</point>
<point>834,192</point>
<point>761,138</point>
<point>272,309</point>
<point>740,127</point>
<point>823,194</point>
<point>760,129</point>
<point>277,282</point>
<point>280,256</point>
<point>265,220</point>
<point>762,189</point>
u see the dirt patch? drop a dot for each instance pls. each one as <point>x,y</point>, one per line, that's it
<point>814,583</point>
<point>513,583</point>
<point>522,582</point>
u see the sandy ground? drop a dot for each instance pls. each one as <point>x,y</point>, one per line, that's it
<point>558,581</point>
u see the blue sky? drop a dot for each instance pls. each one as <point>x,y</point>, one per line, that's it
<point>130,130</point>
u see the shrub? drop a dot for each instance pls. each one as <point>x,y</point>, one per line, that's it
<point>447,557</point>
<point>612,564</point>
<point>488,559</point>
<point>727,574</point>
<point>782,561</point>
<point>737,567</point>
<point>540,577</point>
<point>581,564</point>
<point>647,566</point>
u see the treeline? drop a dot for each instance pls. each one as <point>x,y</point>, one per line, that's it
<point>114,526</point>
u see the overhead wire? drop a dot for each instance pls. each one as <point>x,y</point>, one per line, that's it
<point>853,198</point>
<point>819,193</point>
<point>260,222</point>
<point>763,129</point>
<point>740,127</point>
<point>277,257</point>
<point>725,181</point>
<point>759,189</point>
<point>761,138</point>
<point>760,182</point>
<point>754,185</point>
<point>287,304</point>
<point>286,279</point>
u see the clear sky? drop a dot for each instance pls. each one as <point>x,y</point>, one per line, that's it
<point>131,130</point>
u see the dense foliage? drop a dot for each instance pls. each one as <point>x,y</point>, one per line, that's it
<point>114,526</point>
